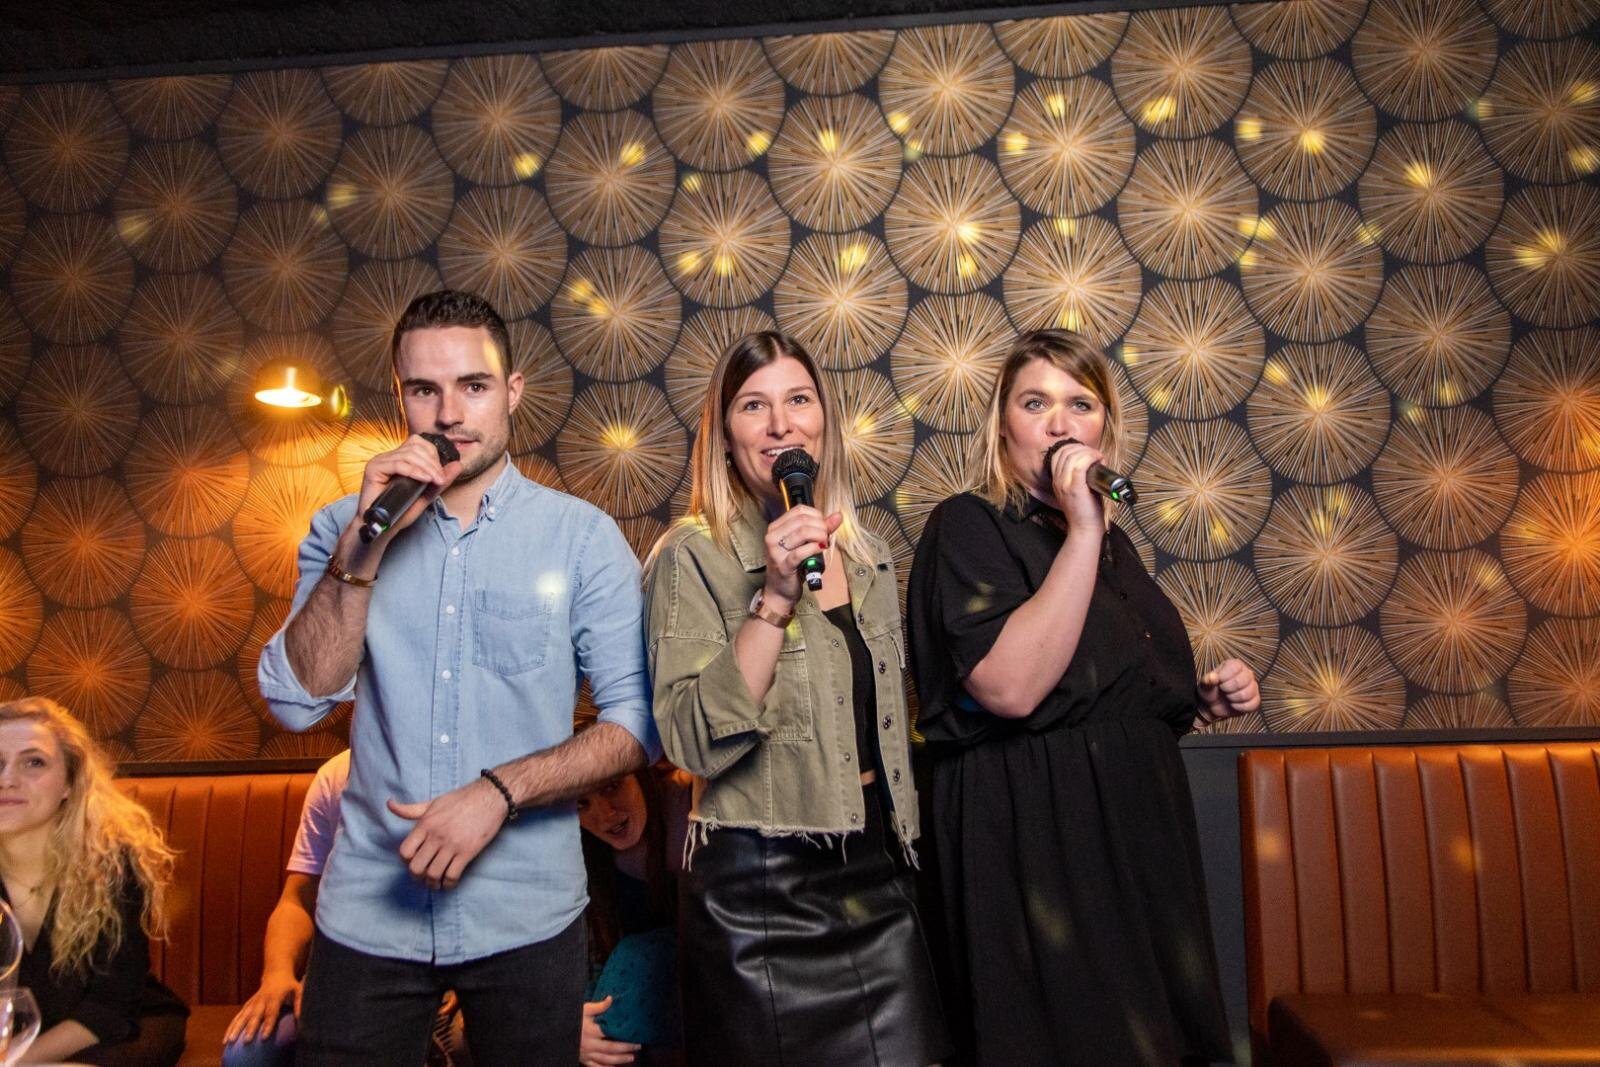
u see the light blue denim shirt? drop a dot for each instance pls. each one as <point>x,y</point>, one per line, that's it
<point>476,640</point>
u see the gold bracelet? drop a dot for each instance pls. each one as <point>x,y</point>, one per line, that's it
<point>339,574</point>
<point>767,614</point>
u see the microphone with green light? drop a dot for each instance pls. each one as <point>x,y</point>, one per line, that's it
<point>1102,479</point>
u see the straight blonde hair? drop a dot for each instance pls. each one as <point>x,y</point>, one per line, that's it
<point>993,476</point>
<point>717,493</point>
<point>98,839</point>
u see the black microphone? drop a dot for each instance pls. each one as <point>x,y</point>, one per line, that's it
<point>1102,479</point>
<point>795,473</point>
<point>398,496</point>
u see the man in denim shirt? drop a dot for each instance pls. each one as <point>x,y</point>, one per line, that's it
<point>461,634</point>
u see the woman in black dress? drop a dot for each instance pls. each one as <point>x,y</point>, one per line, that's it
<point>85,871</point>
<point>1055,679</point>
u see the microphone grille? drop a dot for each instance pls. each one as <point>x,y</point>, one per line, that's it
<point>447,448</point>
<point>794,461</point>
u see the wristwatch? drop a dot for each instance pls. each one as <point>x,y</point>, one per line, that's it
<point>758,608</point>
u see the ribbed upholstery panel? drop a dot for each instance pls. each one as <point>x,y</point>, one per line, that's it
<point>1316,875</point>
<point>1502,929</point>
<point>1451,862</point>
<point>1272,950</point>
<point>232,834</point>
<point>1407,876</point>
<point>1365,916</point>
<point>1455,869</point>
<point>1576,769</point>
<point>1547,906</point>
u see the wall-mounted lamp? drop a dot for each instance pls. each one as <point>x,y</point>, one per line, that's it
<point>286,385</point>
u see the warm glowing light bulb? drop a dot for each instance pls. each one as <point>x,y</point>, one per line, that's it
<point>1313,140</point>
<point>692,182</point>
<point>131,225</point>
<point>852,258</point>
<point>1015,143</point>
<point>1160,110</point>
<point>899,122</point>
<point>631,154</point>
<point>1248,130</point>
<point>289,393</point>
<point>758,142</point>
<point>1056,105</point>
<point>828,141</point>
<point>526,165</point>
<point>1419,174</point>
<point>619,437</point>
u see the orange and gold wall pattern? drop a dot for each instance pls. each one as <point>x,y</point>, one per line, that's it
<point>1346,254</point>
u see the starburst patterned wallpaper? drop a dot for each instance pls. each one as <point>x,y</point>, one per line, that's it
<point>1346,255</point>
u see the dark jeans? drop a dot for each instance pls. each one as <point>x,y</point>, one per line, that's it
<point>522,1008</point>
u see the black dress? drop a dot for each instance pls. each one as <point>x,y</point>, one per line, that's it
<point>1065,842</point>
<point>138,1021</point>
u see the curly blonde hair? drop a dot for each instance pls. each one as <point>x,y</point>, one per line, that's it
<point>98,838</point>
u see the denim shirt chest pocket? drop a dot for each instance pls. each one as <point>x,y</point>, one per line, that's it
<point>511,630</point>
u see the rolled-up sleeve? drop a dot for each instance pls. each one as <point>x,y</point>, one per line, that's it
<point>707,717</point>
<point>608,633</point>
<point>291,704</point>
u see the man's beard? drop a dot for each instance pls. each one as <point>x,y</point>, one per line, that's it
<point>489,452</point>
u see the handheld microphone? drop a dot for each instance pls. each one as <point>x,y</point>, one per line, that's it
<point>795,474</point>
<point>398,496</point>
<point>1102,479</point>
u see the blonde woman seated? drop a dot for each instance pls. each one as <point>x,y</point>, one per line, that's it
<point>801,941</point>
<point>85,871</point>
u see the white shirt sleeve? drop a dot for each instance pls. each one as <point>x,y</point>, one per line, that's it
<point>319,819</point>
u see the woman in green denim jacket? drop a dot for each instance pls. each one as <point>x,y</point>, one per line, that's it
<point>800,932</point>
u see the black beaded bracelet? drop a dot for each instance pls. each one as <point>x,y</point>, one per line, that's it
<point>494,780</point>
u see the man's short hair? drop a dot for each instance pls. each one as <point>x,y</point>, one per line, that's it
<point>452,307</point>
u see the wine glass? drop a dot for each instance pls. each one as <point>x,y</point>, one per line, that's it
<point>10,947</point>
<point>19,1023</point>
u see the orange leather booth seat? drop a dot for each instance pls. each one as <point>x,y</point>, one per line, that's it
<point>1428,904</point>
<point>233,834</point>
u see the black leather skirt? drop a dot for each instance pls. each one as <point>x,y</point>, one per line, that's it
<point>803,955</point>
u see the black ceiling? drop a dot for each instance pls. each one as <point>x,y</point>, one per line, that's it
<point>41,40</point>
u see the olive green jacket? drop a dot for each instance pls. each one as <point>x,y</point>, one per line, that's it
<point>786,765</point>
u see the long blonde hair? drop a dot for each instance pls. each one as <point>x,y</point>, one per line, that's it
<point>993,476</point>
<point>718,493</point>
<point>98,837</point>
